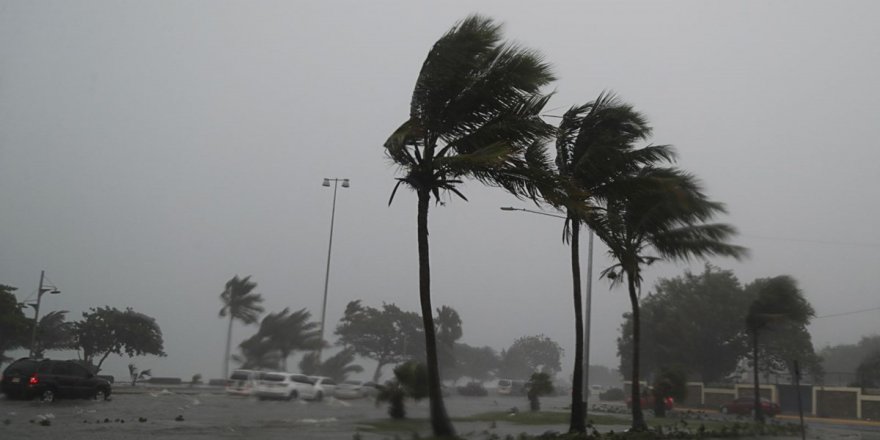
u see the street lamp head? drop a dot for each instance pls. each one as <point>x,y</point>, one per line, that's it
<point>54,292</point>
<point>508,208</point>
<point>345,183</point>
<point>326,182</point>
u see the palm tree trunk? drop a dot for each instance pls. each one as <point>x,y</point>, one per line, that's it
<point>378,372</point>
<point>759,413</point>
<point>440,422</point>
<point>638,419</point>
<point>578,410</point>
<point>228,343</point>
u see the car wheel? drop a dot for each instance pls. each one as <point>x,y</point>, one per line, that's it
<point>102,394</point>
<point>724,410</point>
<point>319,396</point>
<point>293,395</point>
<point>48,395</point>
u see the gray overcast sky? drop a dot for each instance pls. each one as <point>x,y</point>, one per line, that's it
<point>151,150</point>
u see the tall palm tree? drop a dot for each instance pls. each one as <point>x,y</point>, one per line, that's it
<point>594,153</point>
<point>474,114</point>
<point>239,302</point>
<point>664,213</point>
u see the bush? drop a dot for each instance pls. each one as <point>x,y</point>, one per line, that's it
<point>612,394</point>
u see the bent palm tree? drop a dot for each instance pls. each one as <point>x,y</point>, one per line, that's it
<point>474,113</point>
<point>288,332</point>
<point>239,303</point>
<point>665,212</point>
<point>53,333</point>
<point>594,155</point>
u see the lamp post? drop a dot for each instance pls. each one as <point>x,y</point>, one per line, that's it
<point>40,291</point>
<point>345,184</point>
<point>588,302</point>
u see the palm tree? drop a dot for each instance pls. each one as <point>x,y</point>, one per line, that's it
<point>288,332</point>
<point>664,211</point>
<point>778,302</point>
<point>337,367</point>
<point>53,333</point>
<point>594,154</point>
<point>474,113</point>
<point>239,303</point>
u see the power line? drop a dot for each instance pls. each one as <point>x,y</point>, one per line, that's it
<point>807,240</point>
<point>833,315</point>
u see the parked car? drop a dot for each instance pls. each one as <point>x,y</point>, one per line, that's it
<point>284,386</point>
<point>511,387</point>
<point>472,389</point>
<point>52,379</point>
<point>321,387</point>
<point>746,406</point>
<point>242,382</point>
<point>647,402</point>
<point>356,389</point>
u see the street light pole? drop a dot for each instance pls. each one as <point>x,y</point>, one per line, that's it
<point>588,303</point>
<point>40,291</point>
<point>345,184</point>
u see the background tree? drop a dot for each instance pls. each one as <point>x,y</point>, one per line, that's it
<point>840,362</point>
<point>693,320</point>
<point>288,332</point>
<point>104,331</point>
<point>240,303</point>
<point>54,333</point>
<point>410,380</point>
<point>337,367</point>
<point>475,363</point>
<point>449,331</point>
<point>475,113</point>
<point>594,147</point>
<point>665,213</point>
<point>388,335</point>
<point>531,354</point>
<point>778,305</point>
<point>868,371</point>
<point>540,384</point>
<point>14,325</point>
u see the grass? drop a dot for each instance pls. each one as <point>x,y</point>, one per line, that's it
<point>395,425</point>
<point>541,418</point>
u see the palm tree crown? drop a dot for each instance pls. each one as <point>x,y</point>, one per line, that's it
<point>239,302</point>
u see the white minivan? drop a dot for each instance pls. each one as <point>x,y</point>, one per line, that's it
<point>321,387</point>
<point>282,386</point>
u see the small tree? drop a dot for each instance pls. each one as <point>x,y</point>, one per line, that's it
<point>14,326</point>
<point>410,380</point>
<point>778,304</point>
<point>539,385</point>
<point>105,331</point>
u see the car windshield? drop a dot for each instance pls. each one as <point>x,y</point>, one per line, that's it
<point>301,379</point>
<point>273,377</point>
<point>240,375</point>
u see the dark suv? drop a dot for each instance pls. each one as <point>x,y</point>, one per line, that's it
<point>49,379</point>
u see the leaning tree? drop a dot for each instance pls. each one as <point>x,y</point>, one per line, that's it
<point>474,113</point>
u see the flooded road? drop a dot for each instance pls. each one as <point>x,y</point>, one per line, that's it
<point>167,414</point>
<point>189,414</point>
